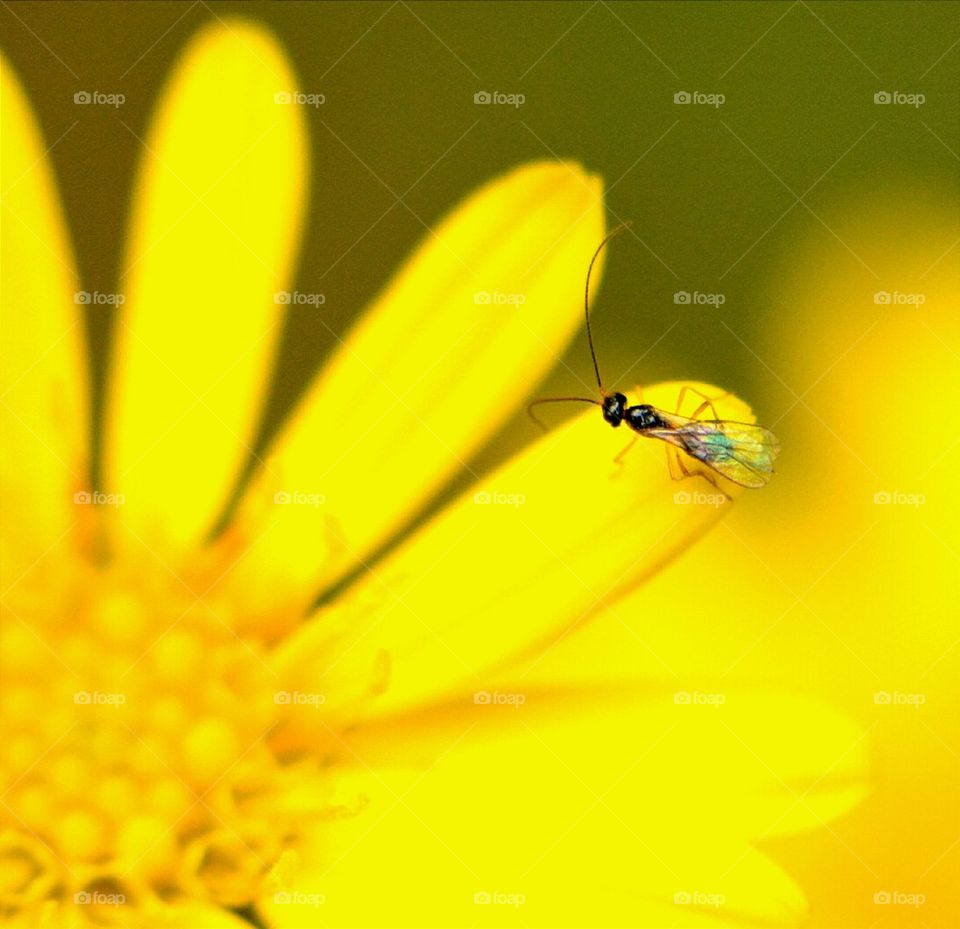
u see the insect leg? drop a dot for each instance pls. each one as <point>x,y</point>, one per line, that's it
<point>707,476</point>
<point>710,478</point>
<point>618,461</point>
<point>707,401</point>
<point>673,463</point>
<point>686,472</point>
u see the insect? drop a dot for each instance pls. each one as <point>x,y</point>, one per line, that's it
<point>741,452</point>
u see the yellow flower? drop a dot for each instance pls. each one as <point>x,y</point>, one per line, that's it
<point>188,741</point>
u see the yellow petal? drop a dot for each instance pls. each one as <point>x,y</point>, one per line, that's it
<point>217,215</point>
<point>611,808</point>
<point>43,389</point>
<point>532,551</point>
<point>430,370</point>
<point>778,763</point>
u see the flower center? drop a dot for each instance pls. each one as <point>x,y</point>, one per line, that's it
<point>137,764</point>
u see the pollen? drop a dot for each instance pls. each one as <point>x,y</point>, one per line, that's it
<point>138,765</point>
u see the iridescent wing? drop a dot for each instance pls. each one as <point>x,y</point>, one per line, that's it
<point>740,452</point>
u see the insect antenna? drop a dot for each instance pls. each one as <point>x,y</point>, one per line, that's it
<point>540,422</point>
<point>586,298</point>
<point>593,354</point>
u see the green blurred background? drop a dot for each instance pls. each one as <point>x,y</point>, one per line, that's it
<point>712,190</point>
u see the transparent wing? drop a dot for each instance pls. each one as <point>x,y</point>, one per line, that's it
<point>741,452</point>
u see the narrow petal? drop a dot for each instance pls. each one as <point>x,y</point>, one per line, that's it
<point>534,550</point>
<point>586,807</point>
<point>43,378</point>
<point>217,216</point>
<point>434,366</point>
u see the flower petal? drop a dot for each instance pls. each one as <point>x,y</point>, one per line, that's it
<point>543,544</point>
<point>429,372</point>
<point>217,216</point>
<point>43,377</point>
<point>633,805</point>
<point>778,763</point>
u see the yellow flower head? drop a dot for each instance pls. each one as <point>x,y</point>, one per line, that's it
<point>188,739</point>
